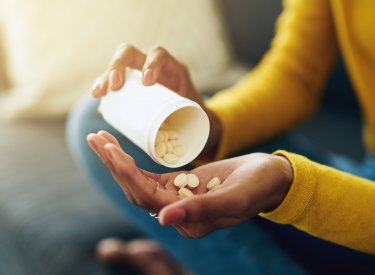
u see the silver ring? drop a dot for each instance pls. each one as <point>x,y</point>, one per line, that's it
<point>154,215</point>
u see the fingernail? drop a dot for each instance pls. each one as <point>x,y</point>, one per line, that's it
<point>114,79</point>
<point>94,146</point>
<point>97,84</point>
<point>148,77</point>
<point>174,216</point>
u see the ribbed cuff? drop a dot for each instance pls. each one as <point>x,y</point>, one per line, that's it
<point>300,192</point>
<point>223,147</point>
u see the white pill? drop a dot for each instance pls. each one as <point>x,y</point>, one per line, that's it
<point>192,181</point>
<point>169,147</point>
<point>170,158</point>
<point>159,137</point>
<point>172,134</point>
<point>213,183</point>
<point>179,150</point>
<point>165,134</point>
<point>161,149</point>
<point>184,192</point>
<point>180,181</point>
<point>173,142</point>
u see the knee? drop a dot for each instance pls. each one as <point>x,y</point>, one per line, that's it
<point>82,120</point>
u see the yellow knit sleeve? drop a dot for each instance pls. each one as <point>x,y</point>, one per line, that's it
<point>286,86</point>
<point>329,204</point>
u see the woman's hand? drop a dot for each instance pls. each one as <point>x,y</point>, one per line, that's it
<point>250,184</point>
<point>157,66</point>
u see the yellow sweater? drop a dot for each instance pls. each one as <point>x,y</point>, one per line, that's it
<point>285,88</point>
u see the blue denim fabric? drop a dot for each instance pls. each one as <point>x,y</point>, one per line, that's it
<point>255,247</point>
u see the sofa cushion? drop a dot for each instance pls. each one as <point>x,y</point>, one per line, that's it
<point>55,49</point>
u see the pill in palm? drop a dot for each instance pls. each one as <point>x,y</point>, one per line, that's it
<point>181,180</point>
<point>184,192</point>
<point>213,183</point>
<point>192,181</point>
<point>161,149</point>
<point>170,158</point>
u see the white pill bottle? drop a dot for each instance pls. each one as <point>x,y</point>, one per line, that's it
<point>138,111</point>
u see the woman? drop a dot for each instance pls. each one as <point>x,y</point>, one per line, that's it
<point>335,201</point>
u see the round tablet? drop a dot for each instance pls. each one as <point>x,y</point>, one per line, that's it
<point>172,134</point>
<point>159,137</point>
<point>161,149</point>
<point>170,158</point>
<point>193,181</point>
<point>184,192</point>
<point>180,181</point>
<point>179,150</point>
<point>213,183</point>
<point>169,147</point>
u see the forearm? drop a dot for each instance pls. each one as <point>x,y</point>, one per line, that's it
<point>285,88</point>
<point>329,204</point>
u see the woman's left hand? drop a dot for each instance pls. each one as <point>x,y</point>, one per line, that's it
<point>251,184</point>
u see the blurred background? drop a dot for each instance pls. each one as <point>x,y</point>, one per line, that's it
<point>50,54</point>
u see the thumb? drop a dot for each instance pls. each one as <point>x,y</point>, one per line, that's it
<point>199,208</point>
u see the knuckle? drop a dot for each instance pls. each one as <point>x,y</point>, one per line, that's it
<point>158,49</point>
<point>123,174</point>
<point>125,47</point>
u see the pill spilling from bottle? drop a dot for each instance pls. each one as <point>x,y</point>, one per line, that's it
<point>167,146</point>
<point>187,182</point>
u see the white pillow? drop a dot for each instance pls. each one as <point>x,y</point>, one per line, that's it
<point>55,49</point>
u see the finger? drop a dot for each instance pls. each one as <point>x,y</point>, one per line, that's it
<point>201,208</point>
<point>183,232</point>
<point>109,137</point>
<point>163,68</point>
<point>202,229</point>
<point>155,62</point>
<point>100,86</point>
<point>126,55</point>
<point>97,143</point>
<point>149,195</point>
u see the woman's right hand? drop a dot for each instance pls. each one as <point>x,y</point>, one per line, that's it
<point>157,66</point>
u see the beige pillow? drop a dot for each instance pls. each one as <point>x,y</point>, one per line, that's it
<point>55,49</point>
<point>3,77</point>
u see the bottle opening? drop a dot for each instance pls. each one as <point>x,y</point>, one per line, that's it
<point>192,125</point>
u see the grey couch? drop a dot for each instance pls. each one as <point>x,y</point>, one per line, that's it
<point>51,218</point>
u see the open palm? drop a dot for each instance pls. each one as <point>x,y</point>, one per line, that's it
<point>250,184</point>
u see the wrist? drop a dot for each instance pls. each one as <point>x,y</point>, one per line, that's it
<point>214,137</point>
<point>285,180</point>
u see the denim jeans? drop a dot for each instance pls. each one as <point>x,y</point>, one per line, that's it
<point>254,247</point>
